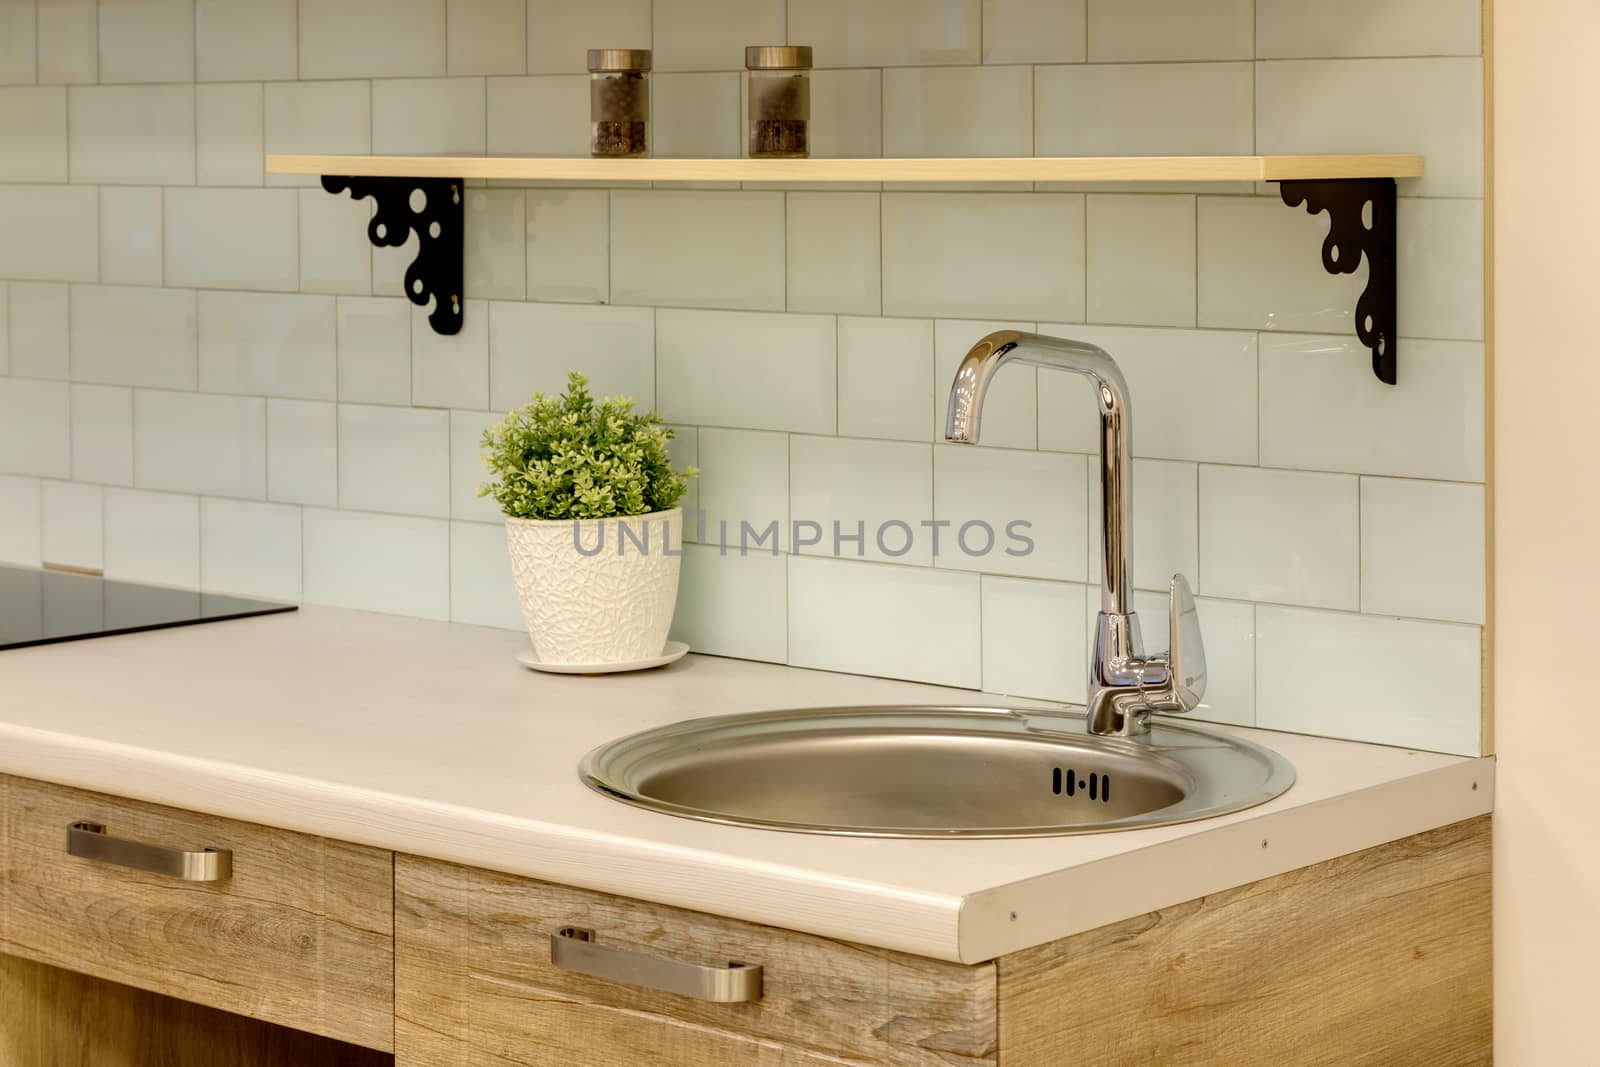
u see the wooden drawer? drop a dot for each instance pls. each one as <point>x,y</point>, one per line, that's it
<point>300,933</point>
<point>475,985</point>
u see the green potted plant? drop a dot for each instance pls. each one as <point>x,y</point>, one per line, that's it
<point>592,525</point>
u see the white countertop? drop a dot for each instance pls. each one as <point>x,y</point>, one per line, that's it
<point>429,738</point>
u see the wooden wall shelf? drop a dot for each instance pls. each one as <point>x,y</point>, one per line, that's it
<point>791,171</point>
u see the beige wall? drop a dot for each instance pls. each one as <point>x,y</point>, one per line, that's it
<point>1547,552</point>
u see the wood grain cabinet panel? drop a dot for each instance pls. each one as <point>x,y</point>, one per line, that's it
<point>476,987</point>
<point>301,933</point>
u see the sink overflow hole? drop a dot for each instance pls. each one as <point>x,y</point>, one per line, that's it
<point>1098,785</point>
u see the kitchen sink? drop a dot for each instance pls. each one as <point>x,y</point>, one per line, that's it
<point>933,772</point>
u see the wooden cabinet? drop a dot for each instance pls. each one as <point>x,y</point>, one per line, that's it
<point>300,933</point>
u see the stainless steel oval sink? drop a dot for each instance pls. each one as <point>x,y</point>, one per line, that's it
<point>932,772</point>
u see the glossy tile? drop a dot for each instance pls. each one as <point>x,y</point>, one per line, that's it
<point>1228,630</point>
<point>316,118</point>
<point>698,248</point>
<point>246,40</point>
<point>1196,390</point>
<point>773,372</point>
<point>152,537</point>
<point>229,134</point>
<point>1160,109</point>
<point>496,257</point>
<point>1422,549</point>
<point>336,40</point>
<point>1287,537</point>
<point>302,452</point>
<point>733,605</point>
<point>888,33</point>
<point>1429,698</point>
<point>395,460</point>
<point>52,233</point>
<point>386,563</point>
<point>862,499</point>
<point>539,116</point>
<point>335,253</point>
<point>374,350</point>
<point>1122,31</point>
<point>250,549</point>
<point>132,134</point>
<point>5,328</point>
<point>832,252</point>
<point>130,235</point>
<point>194,443</point>
<point>568,245</point>
<point>134,336</point>
<point>1432,106</point>
<point>18,43</point>
<point>1323,409</point>
<point>846,114</point>
<point>958,111</point>
<point>940,255</point>
<point>486,36</point>
<point>34,433</point>
<point>73,528</point>
<point>266,344</point>
<point>1441,268</point>
<point>1141,259</point>
<point>914,623</point>
<point>533,346</point>
<point>1034,639</point>
<point>1010,407</point>
<point>467,471</point>
<point>1166,528</point>
<point>683,451</point>
<point>102,434</point>
<point>1007,512</point>
<point>560,33</point>
<point>744,492</point>
<point>33,127</point>
<point>40,329</point>
<point>147,40</point>
<point>232,238</point>
<point>1034,31</point>
<point>20,521</point>
<point>712,34</point>
<point>429,116</point>
<point>451,370</point>
<point>885,377</point>
<point>697,115</point>
<point>482,590</point>
<point>1308,28</point>
<point>69,41</point>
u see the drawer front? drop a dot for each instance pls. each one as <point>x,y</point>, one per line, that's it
<point>290,929</point>
<point>476,985</point>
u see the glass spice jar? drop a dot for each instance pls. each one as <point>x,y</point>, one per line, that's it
<point>619,102</point>
<point>780,100</point>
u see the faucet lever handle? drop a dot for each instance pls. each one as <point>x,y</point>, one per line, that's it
<point>1186,660</point>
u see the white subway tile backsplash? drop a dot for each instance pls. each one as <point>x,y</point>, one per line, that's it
<point>1011,405</point>
<point>696,115</point>
<point>1141,259</point>
<point>1166,530</point>
<point>885,377</point>
<point>132,134</point>
<point>267,344</point>
<point>18,43</point>
<point>712,34</point>
<point>125,335</point>
<point>335,252</point>
<point>888,33</point>
<point>1323,409</point>
<point>1123,31</point>
<point>482,591</point>
<point>1160,109</point>
<point>152,537</point>
<point>1314,28</point>
<point>33,127</point>
<point>1427,698</point>
<point>387,563</point>
<point>52,233</point>
<point>915,623</point>
<point>394,459</point>
<point>958,111</point>
<point>131,251</point>
<point>250,549</point>
<point>233,238</point>
<point>467,471</point>
<point>683,451</point>
<point>1285,537</point>
<point>195,443</point>
<point>546,115</point>
<point>1034,31</point>
<point>34,433</point>
<point>846,114</point>
<point>229,134</point>
<point>69,41</point>
<point>698,248</point>
<point>833,256</point>
<point>776,372</point>
<point>733,605</point>
<point>374,350</point>
<point>867,499</point>
<point>1033,638</point>
<point>451,370</point>
<point>40,329</point>
<point>246,40</point>
<point>1019,513</point>
<point>102,434</point>
<point>302,452</point>
<point>568,245</point>
<point>560,33</point>
<point>429,116</point>
<point>338,40</point>
<point>1422,549</point>
<point>5,329</point>
<point>1228,628</point>
<point>533,346</point>
<point>147,40</point>
<point>496,233</point>
<point>20,521</point>
<point>1432,106</point>
<point>1441,268</point>
<point>941,252</point>
<point>314,118</point>
<point>744,478</point>
<point>73,525</point>
<point>486,36</point>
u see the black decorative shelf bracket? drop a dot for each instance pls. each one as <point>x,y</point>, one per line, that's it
<point>1362,225</point>
<point>430,208</point>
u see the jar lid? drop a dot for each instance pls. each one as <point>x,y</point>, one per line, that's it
<point>778,57</point>
<point>609,59</point>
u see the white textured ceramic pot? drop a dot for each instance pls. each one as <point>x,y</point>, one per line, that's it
<point>597,591</point>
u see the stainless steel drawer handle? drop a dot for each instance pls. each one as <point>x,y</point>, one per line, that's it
<point>573,948</point>
<point>89,840</point>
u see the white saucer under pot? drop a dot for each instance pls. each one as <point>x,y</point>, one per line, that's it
<point>672,653</point>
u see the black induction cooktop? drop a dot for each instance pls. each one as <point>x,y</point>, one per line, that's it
<point>42,607</point>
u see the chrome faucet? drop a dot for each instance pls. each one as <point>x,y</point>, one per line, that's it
<point>1125,686</point>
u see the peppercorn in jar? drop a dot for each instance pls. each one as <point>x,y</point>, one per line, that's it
<point>780,100</point>
<point>619,102</point>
